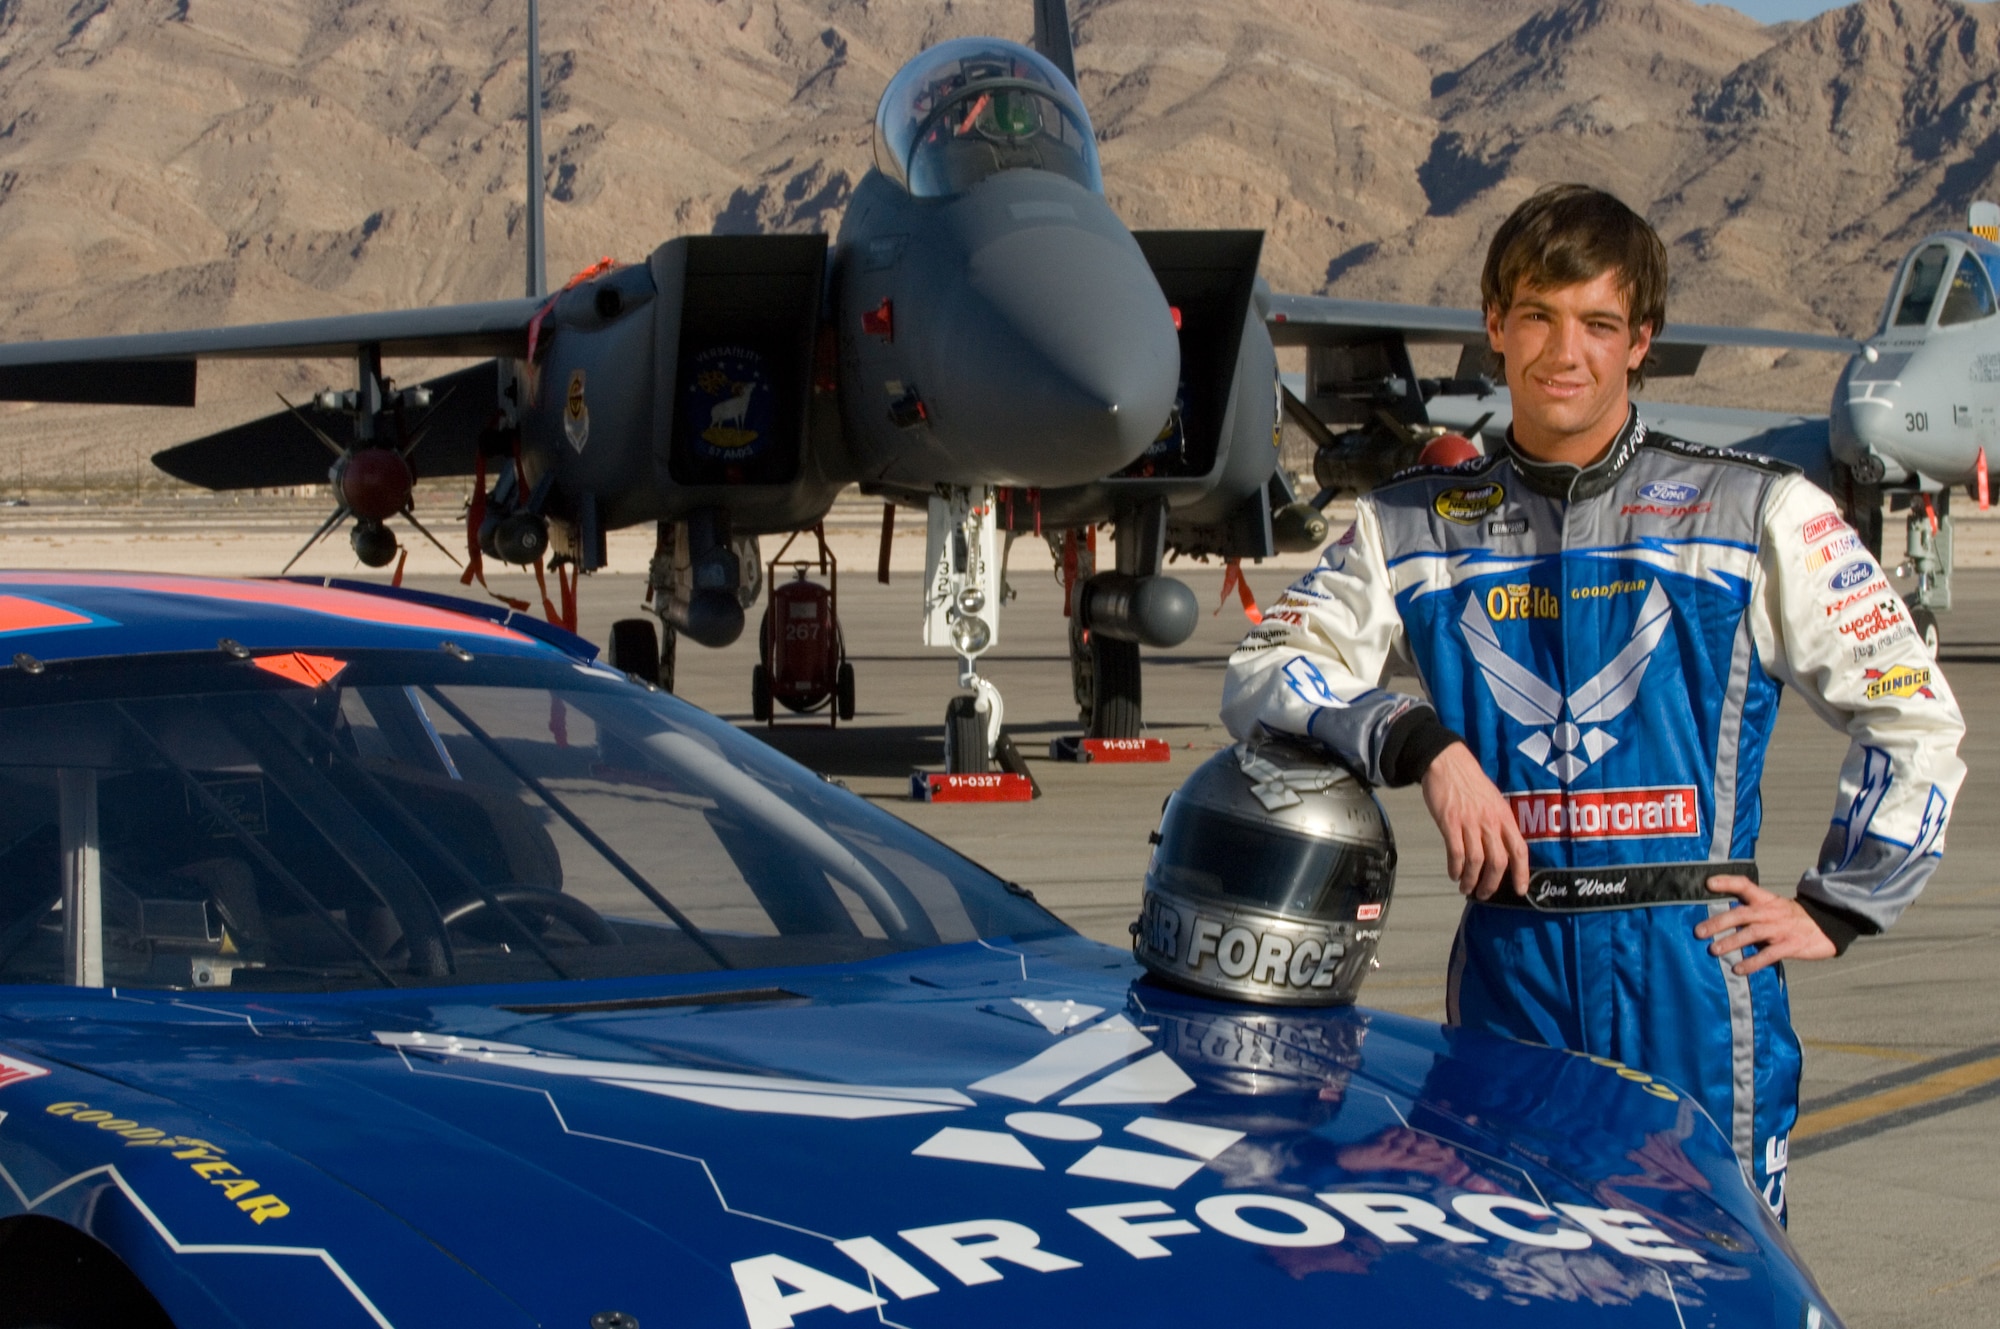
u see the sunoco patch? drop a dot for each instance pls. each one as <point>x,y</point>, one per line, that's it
<point>1467,506</point>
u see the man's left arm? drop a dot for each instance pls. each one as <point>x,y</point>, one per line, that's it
<point>1828,624</point>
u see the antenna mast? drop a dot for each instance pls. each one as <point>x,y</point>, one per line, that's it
<point>538,273</point>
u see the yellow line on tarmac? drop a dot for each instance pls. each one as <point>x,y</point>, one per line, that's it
<point>1915,1094</point>
<point>1967,1281</point>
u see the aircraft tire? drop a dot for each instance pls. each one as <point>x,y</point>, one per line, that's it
<point>760,693</point>
<point>843,692</point>
<point>1115,697</point>
<point>964,738</point>
<point>1080,669</point>
<point>635,648</point>
<point>1926,624</point>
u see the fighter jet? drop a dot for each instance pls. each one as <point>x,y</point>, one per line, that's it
<point>984,340</point>
<point>1918,407</point>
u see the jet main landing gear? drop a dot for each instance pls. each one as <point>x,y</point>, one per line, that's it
<point>1114,613</point>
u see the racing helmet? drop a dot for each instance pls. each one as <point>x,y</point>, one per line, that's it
<point>1270,880</point>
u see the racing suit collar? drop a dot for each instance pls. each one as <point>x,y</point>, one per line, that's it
<point>1555,479</point>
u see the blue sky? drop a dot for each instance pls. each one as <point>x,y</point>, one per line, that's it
<point>1776,11</point>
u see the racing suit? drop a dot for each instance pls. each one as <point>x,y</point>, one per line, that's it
<point>1610,642</point>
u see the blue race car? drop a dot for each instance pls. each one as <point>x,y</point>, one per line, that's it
<point>373,958</point>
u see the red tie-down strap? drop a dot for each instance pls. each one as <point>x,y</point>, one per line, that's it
<point>1982,492</point>
<point>565,617</point>
<point>1233,580</point>
<point>475,517</point>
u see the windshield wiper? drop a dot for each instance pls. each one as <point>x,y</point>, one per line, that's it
<point>231,826</point>
<point>576,823</point>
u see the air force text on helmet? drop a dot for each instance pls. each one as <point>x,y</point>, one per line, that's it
<point>1275,954</point>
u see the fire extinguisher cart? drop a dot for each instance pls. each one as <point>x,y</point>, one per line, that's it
<point>802,660</point>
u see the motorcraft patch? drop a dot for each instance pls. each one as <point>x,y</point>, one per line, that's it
<point>1607,814</point>
<point>1467,506</point>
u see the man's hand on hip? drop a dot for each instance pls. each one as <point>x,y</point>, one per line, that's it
<point>1778,927</point>
<point>1482,844</point>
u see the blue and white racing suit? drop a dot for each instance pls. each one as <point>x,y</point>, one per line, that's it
<point>1611,643</point>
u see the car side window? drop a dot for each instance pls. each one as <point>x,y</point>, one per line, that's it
<point>1970,297</point>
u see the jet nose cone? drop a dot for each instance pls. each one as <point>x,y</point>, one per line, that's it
<point>1059,364</point>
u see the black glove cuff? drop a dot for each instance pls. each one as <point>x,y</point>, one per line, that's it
<point>1414,740</point>
<point>1840,926</point>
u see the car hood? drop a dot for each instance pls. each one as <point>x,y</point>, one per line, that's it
<point>975,1134</point>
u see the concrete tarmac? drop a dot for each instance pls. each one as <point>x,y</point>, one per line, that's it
<point>1895,1190</point>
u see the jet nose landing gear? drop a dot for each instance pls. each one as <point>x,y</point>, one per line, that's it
<point>962,595</point>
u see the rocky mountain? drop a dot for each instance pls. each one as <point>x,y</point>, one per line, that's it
<point>170,163</point>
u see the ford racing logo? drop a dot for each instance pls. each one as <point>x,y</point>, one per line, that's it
<point>1851,576</point>
<point>1669,491</point>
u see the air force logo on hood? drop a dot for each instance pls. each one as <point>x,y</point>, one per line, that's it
<point>1070,1073</point>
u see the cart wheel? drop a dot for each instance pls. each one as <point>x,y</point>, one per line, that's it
<point>760,693</point>
<point>1114,701</point>
<point>1925,622</point>
<point>635,648</point>
<point>843,691</point>
<point>964,738</point>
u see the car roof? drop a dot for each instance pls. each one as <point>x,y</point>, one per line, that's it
<point>88,615</point>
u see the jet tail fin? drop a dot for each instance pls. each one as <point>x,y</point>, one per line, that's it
<point>1052,36</point>
<point>1985,221</point>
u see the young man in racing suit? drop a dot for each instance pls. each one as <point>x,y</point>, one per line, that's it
<point>1603,618</point>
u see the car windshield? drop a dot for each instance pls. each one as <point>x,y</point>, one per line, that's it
<point>301,822</point>
<point>968,109</point>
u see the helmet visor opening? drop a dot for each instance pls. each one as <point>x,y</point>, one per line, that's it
<point>1207,854</point>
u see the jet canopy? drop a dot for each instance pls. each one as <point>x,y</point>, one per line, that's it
<point>976,106</point>
<point>1961,270</point>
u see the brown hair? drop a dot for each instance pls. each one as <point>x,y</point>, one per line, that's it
<point>1565,234</point>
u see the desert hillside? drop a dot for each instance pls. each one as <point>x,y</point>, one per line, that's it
<point>170,163</point>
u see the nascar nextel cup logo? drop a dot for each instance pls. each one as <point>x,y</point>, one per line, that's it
<point>1467,506</point>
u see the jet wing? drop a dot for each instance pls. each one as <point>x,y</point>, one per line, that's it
<point>158,368</point>
<point>1314,320</point>
<point>1798,439</point>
